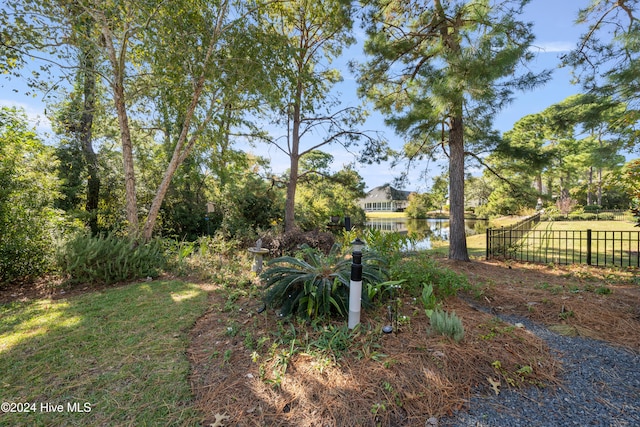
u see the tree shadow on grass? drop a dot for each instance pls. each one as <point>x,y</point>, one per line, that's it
<point>116,355</point>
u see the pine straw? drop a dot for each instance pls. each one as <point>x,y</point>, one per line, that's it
<point>565,298</point>
<point>421,375</point>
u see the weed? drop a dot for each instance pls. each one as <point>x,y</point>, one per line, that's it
<point>232,329</point>
<point>525,370</point>
<point>249,342</point>
<point>226,358</point>
<point>565,314</point>
<point>603,290</point>
<point>377,408</point>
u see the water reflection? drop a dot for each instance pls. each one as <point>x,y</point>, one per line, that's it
<point>426,231</point>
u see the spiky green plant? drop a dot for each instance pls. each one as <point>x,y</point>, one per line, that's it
<point>314,284</point>
<point>447,324</point>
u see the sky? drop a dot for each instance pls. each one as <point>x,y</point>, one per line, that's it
<point>555,33</point>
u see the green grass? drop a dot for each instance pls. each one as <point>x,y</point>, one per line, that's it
<point>477,244</point>
<point>121,351</point>
<point>383,214</point>
<point>565,242</point>
<point>584,225</point>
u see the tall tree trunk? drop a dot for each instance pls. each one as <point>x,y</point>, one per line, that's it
<point>589,187</point>
<point>294,158</point>
<point>289,210</point>
<point>599,186</point>
<point>131,206</point>
<point>88,111</point>
<point>185,143</point>
<point>457,235</point>
<point>118,61</point>
<point>539,183</point>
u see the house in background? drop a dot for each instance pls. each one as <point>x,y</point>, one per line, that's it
<point>385,198</point>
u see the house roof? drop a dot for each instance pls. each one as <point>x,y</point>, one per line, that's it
<point>386,193</point>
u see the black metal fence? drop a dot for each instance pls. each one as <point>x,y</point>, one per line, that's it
<point>592,247</point>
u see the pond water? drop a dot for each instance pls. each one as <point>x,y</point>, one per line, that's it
<point>426,230</point>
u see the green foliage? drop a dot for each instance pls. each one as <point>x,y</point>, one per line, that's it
<point>420,270</point>
<point>447,324</point>
<point>419,205</point>
<point>428,299</point>
<point>507,200</point>
<point>314,285</point>
<point>320,196</point>
<point>109,259</point>
<point>388,245</point>
<point>28,189</point>
<point>382,291</point>
<point>244,206</point>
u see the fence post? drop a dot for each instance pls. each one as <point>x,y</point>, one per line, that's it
<point>588,246</point>
<point>488,243</point>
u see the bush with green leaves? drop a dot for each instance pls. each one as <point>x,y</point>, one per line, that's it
<point>447,324</point>
<point>314,285</point>
<point>109,259</point>
<point>577,216</point>
<point>389,245</point>
<point>420,269</point>
<point>606,216</point>
<point>28,190</point>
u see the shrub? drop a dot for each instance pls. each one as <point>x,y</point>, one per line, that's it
<point>606,216</point>
<point>388,245</point>
<point>575,216</point>
<point>447,324</point>
<point>109,259</point>
<point>314,285</point>
<point>557,217</point>
<point>420,270</point>
<point>588,216</point>
<point>592,208</point>
<point>29,188</point>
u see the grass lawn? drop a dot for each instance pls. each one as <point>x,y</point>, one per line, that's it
<point>477,244</point>
<point>601,243</point>
<point>584,225</point>
<point>118,355</point>
<point>386,215</point>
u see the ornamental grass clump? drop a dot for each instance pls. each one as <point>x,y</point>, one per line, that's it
<point>313,284</point>
<point>447,324</point>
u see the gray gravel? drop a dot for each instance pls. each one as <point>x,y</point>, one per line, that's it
<point>600,387</point>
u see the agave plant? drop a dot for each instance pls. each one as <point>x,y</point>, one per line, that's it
<point>315,285</point>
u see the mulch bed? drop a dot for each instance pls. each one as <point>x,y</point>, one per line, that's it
<point>420,375</point>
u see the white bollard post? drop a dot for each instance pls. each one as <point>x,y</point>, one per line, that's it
<point>355,290</point>
<point>355,294</point>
